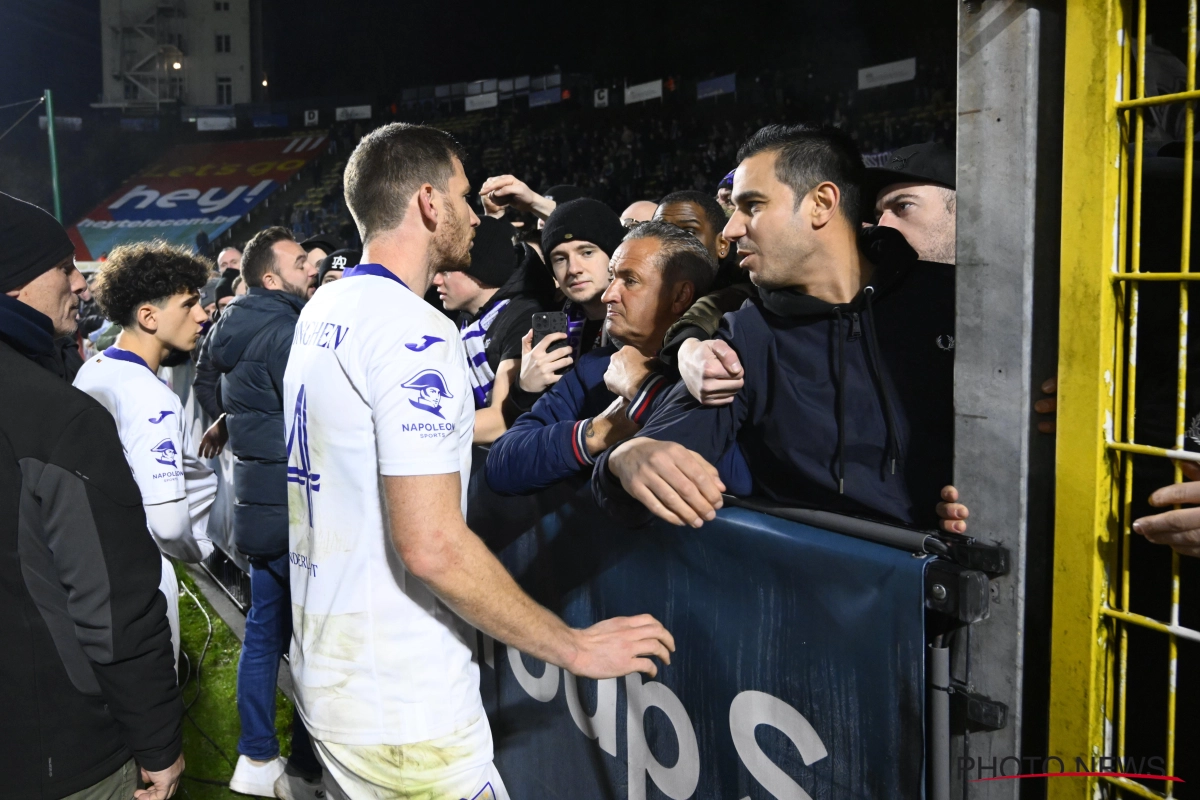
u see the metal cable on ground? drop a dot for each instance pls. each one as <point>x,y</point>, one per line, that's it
<point>36,103</point>
<point>199,689</point>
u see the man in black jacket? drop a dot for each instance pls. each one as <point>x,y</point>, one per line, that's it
<point>249,346</point>
<point>88,683</point>
<point>843,364</point>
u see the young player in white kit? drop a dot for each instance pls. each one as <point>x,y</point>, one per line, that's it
<point>387,580</point>
<point>153,291</point>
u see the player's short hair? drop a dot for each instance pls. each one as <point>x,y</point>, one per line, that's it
<point>712,209</point>
<point>387,168</point>
<point>809,155</point>
<point>259,258</point>
<point>682,258</point>
<point>146,272</point>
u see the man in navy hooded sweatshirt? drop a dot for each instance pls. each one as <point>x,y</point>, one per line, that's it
<point>840,371</point>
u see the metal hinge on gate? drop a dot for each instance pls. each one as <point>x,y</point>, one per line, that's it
<point>961,594</point>
<point>974,554</point>
<point>980,713</point>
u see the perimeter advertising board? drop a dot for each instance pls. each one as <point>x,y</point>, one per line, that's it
<point>193,188</point>
<point>798,671</point>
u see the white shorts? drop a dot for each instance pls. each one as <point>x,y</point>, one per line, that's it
<point>441,769</point>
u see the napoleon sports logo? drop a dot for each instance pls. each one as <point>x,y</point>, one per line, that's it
<point>298,439</point>
<point>165,452</point>
<point>431,389</point>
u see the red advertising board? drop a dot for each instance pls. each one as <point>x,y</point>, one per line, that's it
<point>193,188</point>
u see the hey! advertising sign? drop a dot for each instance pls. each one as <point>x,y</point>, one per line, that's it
<point>193,188</point>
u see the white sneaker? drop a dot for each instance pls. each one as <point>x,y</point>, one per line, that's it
<point>256,779</point>
<point>293,787</point>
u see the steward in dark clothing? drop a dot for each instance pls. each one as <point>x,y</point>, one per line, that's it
<point>249,345</point>
<point>847,408</point>
<point>88,680</point>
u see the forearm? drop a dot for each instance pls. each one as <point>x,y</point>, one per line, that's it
<point>489,425</point>
<point>171,525</point>
<point>534,454</point>
<point>439,549</point>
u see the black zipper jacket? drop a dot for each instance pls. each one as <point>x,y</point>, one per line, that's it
<point>847,408</point>
<point>87,676</point>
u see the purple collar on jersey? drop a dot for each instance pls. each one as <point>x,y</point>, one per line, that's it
<point>125,355</point>
<point>373,269</point>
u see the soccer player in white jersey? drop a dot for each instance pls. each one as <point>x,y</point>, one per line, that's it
<point>387,580</point>
<point>153,291</point>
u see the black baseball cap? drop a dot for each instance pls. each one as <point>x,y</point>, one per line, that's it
<point>326,243</point>
<point>917,163</point>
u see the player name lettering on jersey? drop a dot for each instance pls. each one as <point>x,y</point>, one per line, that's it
<point>301,561</point>
<point>329,335</point>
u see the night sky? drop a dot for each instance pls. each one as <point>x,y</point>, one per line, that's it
<point>377,46</point>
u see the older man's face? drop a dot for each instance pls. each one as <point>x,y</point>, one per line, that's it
<point>55,293</point>
<point>229,258</point>
<point>925,214</point>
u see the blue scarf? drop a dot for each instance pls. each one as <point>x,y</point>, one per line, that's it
<point>475,340</point>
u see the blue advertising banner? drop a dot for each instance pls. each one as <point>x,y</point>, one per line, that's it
<point>545,97</point>
<point>799,670</point>
<point>726,84</point>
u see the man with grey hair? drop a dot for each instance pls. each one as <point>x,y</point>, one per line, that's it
<point>656,273</point>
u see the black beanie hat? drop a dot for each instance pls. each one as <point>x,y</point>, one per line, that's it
<point>340,260</point>
<point>563,193</point>
<point>493,256</point>
<point>583,220</point>
<point>31,242</point>
<point>224,288</point>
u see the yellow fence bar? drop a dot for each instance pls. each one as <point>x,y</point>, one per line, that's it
<point>1153,624</point>
<point>1159,100</point>
<point>1155,276</point>
<point>1087,513</point>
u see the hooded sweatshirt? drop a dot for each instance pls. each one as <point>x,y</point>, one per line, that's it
<point>846,408</point>
<point>249,345</point>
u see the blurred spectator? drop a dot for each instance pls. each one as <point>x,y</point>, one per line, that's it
<point>725,193</point>
<point>638,211</point>
<point>88,687</point>
<point>229,258</point>
<point>317,248</point>
<point>495,315</point>
<point>915,195</point>
<point>334,264</point>
<point>867,324</point>
<point>249,346</point>
<point>577,240</point>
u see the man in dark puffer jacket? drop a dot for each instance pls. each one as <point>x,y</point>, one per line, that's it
<point>249,346</point>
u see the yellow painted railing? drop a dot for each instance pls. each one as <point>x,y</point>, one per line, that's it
<point>1101,271</point>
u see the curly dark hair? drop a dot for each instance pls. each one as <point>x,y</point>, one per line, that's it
<point>146,272</point>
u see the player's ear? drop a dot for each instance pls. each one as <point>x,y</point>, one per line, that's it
<point>146,317</point>
<point>427,205</point>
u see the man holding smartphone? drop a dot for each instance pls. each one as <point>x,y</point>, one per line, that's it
<point>578,240</point>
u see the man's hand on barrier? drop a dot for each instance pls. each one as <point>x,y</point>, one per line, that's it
<point>952,513</point>
<point>610,427</point>
<point>1048,405</point>
<point>507,190</point>
<point>1180,528</point>
<point>162,784</point>
<point>621,646</point>
<point>673,482</point>
<point>539,365</point>
<point>214,439</point>
<point>627,371</point>
<point>711,371</point>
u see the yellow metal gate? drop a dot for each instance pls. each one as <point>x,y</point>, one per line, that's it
<point>1104,126</point>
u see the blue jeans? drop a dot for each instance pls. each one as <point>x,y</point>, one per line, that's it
<point>268,635</point>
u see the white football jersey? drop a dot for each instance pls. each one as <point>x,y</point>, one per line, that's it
<point>376,385</point>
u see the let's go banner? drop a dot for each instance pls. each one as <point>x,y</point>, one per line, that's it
<point>193,188</point>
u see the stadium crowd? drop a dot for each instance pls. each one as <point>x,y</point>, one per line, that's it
<point>783,330</point>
